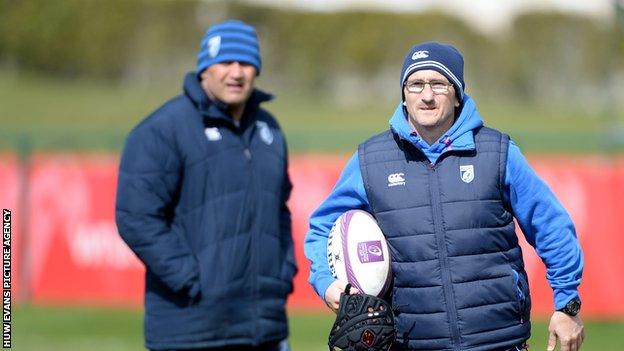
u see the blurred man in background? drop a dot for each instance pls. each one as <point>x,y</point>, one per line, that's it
<point>445,190</point>
<point>201,200</point>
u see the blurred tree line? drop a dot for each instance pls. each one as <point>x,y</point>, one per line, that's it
<point>349,56</point>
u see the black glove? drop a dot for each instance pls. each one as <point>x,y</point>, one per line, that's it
<point>363,323</point>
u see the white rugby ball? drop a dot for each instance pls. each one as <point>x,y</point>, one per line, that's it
<point>357,253</point>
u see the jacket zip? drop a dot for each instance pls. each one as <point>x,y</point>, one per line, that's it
<point>447,284</point>
<point>254,256</point>
<point>245,142</point>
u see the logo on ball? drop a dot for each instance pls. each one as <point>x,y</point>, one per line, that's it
<point>370,251</point>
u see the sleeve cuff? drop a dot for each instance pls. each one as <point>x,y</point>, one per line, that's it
<point>322,284</point>
<point>563,296</point>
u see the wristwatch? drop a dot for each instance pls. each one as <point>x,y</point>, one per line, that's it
<point>572,308</point>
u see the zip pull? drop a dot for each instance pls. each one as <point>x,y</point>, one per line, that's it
<point>247,153</point>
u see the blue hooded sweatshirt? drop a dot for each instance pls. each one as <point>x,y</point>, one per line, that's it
<point>545,223</point>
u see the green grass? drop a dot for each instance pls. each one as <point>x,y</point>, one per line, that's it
<point>48,114</point>
<point>77,329</point>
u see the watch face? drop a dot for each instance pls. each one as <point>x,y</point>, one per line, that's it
<point>573,307</point>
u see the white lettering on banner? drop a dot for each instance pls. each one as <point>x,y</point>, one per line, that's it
<point>61,198</point>
<point>99,245</point>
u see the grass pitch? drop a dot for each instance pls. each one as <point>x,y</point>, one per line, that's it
<point>96,329</point>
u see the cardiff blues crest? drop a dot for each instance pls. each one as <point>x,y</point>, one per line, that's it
<point>466,173</point>
<point>214,45</point>
<point>265,132</point>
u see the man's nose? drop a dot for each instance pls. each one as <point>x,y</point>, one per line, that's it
<point>236,69</point>
<point>427,93</point>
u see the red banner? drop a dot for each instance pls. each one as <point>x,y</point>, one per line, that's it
<point>73,254</point>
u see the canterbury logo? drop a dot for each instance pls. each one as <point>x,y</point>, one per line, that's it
<point>395,179</point>
<point>420,54</point>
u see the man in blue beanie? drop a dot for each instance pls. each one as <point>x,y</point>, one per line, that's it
<point>201,200</point>
<point>459,278</point>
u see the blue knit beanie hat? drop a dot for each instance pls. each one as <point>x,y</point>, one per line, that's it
<point>442,58</point>
<point>229,41</point>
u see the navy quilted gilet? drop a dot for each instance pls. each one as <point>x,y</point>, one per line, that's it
<point>459,279</point>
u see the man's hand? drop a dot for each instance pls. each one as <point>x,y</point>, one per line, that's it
<point>332,294</point>
<point>569,330</point>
